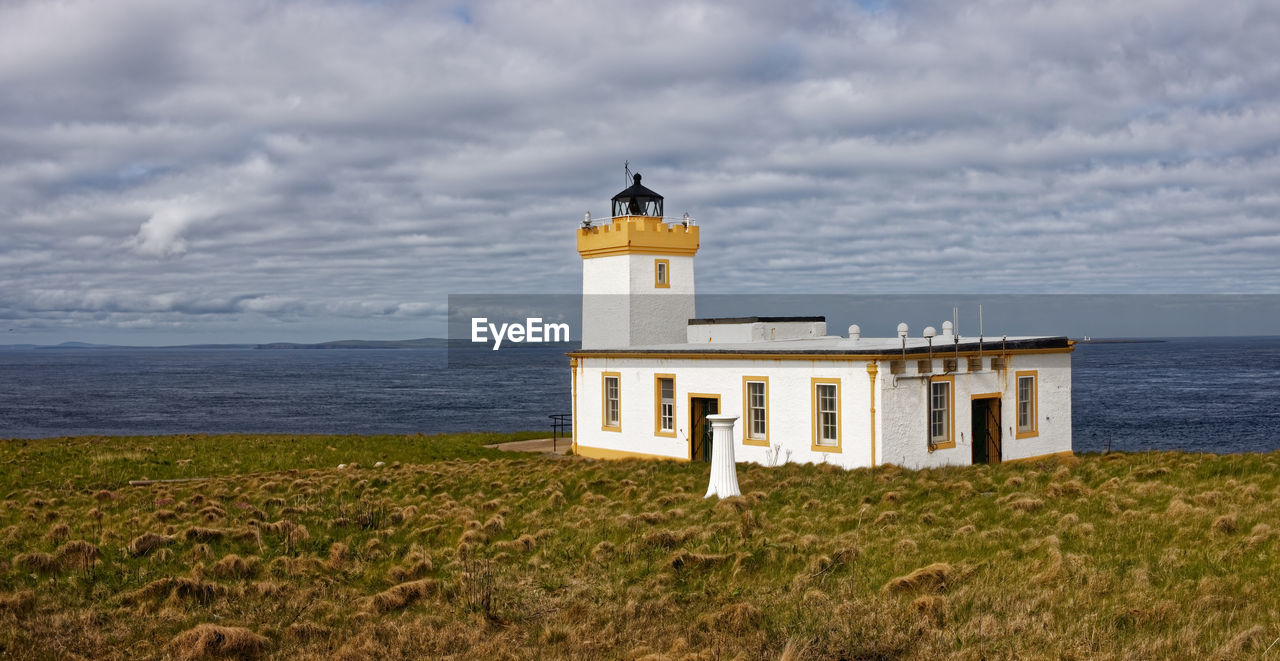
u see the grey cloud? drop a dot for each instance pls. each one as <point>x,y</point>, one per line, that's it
<point>213,170</point>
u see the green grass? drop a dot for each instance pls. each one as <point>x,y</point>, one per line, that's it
<point>454,550</point>
<point>110,461</point>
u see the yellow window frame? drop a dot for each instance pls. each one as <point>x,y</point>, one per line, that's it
<point>1035,403</point>
<point>657,405</point>
<point>746,411</point>
<point>604,401</point>
<point>816,423</point>
<point>950,441</point>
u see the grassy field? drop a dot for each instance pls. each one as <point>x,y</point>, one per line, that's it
<point>452,550</point>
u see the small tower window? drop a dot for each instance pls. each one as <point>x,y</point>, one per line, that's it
<point>662,273</point>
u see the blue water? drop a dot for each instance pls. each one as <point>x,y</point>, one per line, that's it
<point>1198,394</point>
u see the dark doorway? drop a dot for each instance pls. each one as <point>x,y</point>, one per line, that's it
<point>986,430</point>
<point>699,427</point>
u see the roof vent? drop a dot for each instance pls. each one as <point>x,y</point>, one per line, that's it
<point>855,332</point>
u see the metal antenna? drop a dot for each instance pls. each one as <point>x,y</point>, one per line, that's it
<point>626,171</point>
<point>980,331</point>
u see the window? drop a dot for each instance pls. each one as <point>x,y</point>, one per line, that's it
<point>941,415</point>
<point>826,415</point>
<point>611,400</point>
<point>755,404</point>
<point>662,273</point>
<point>1026,383</point>
<point>664,405</point>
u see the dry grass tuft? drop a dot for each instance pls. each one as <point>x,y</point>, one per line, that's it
<point>689,560</point>
<point>737,619</point>
<point>932,606</point>
<point>1225,524</point>
<point>1026,504</point>
<point>18,603</point>
<point>58,531</point>
<point>42,563</point>
<point>199,534</point>
<point>1260,533</point>
<point>1068,488</point>
<point>403,595</point>
<point>236,567</point>
<point>146,543</point>
<point>307,631</point>
<point>76,553</point>
<point>603,551</point>
<point>664,539</point>
<point>1246,644</point>
<point>211,641</point>
<point>933,577</point>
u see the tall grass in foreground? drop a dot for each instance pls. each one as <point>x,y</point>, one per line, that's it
<point>1157,555</point>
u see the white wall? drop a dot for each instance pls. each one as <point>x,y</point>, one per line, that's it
<point>789,406</point>
<point>901,408</point>
<point>759,331</point>
<point>622,307</point>
<point>905,411</point>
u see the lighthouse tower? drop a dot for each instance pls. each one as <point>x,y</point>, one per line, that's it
<point>637,274</point>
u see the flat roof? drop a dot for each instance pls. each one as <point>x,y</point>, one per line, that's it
<point>915,347</point>
<point>705,321</point>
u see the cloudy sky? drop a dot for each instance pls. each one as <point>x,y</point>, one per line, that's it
<point>176,172</point>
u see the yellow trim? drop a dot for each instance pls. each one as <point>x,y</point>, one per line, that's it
<point>603,453</point>
<point>816,419</point>
<point>604,401</point>
<point>657,405</point>
<point>573,413</point>
<point>1065,454</point>
<point>689,399</point>
<point>872,370</point>
<point>746,412</point>
<point>951,413</point>
<point>1035,403</point>
<point>637,235</point>
<point>657,282</point>
<point>742,355</point>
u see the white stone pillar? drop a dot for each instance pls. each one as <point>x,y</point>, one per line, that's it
<point>724,472</point>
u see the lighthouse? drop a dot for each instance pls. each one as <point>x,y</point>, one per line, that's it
<point>637,273</point>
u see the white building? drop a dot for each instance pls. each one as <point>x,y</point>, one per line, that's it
<point>649,371</point>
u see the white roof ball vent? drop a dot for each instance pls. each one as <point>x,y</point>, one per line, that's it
<point>903,329</point>
<point>947,328</point>
<point>855,332</point>
<point>930,331</point>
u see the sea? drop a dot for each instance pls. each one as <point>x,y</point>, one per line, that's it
<point>1214,394</point>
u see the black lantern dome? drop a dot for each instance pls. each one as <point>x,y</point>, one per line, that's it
<point>637,201</point>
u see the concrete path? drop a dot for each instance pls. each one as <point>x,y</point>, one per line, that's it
<point>540,445</point>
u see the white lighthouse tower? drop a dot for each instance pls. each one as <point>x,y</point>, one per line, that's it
<point>637,274</point>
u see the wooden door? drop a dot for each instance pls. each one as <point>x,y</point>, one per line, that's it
<point>994,451</point>
<point>985,430</point>
<point>700,427</point>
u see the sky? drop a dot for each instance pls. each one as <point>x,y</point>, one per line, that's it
<point>177,172</point>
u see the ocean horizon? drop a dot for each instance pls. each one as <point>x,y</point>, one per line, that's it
<point>1205,394</point>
